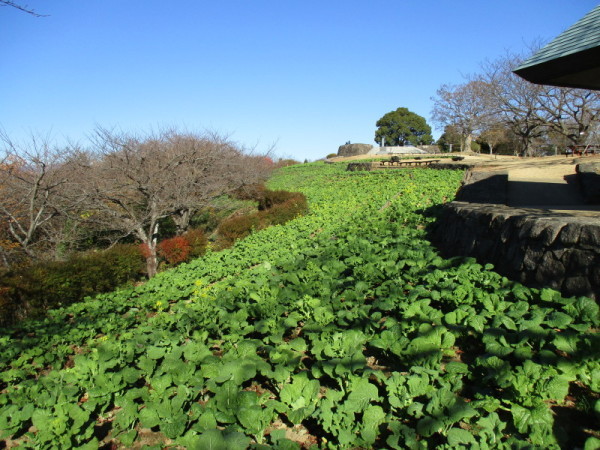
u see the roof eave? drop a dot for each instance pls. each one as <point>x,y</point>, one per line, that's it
<point>577,70</point>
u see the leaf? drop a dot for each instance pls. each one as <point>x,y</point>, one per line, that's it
<point>361,394</point>
<point>457,367</point>
<point>211,440</point>
<point>457,436</point>
<point>149,416</point>
<point>566,343</point>
<point>548,295</point>
<point>429,425</point>
<point>531,419</point>
<point>79,416</point>
<point>155,352</point>
<point>161,383</point>
<point>237,371</point>
<point>372,418</point>
<point>147,365</point>
<point>41,419</point>
<point>418,385</point>
<point>508,322</point>
<point>591,443</point>
<point>175,428</point>
<point>477,323</point>
<point>585,310</point>
<point>196,351</point>
<point>558,320</point>
<point>255,418</point>
<point>130,375</point>
<point>555,388</point>
<point>127,439</point>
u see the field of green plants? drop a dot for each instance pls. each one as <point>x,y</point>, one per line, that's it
<point>343,328</point>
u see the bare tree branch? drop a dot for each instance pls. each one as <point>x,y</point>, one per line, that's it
<point>23,8</point>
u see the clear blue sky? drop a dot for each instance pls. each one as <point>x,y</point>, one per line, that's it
<point>306,75</point>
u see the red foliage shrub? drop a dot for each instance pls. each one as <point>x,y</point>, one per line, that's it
<point>174,250</point>
<point>144,250</point>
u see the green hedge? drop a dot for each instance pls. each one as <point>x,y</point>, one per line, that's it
<point>32,290</point>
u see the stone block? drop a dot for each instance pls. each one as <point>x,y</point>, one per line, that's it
<point>354,149</point>
<point>577,285</point>
<point>589,180</point>
<point>569,235</point>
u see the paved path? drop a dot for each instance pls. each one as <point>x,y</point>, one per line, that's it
<point>552,186</point>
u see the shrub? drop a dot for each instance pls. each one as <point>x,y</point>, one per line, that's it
<point>331,155</point>
<point>126,261</point>
<point>198,242</point>
<point>252,192</point>
<point>286,211</point>
<point>272,198</point>
<point>286,163</point>
<point>30,291</point>
<point>174,250</point>
<point>275,208</point>
<point>237,228</point>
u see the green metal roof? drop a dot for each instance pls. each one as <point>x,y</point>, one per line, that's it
<point>572,59</point>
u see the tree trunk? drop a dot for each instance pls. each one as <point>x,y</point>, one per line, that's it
<point>182,220</point>
<point>150,241</point>
<point>151,260</point>
<point>467,143</point>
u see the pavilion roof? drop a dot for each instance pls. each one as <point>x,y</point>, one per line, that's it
<point>572,59</point>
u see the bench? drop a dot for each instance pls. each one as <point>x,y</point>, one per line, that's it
<point>409,163</point>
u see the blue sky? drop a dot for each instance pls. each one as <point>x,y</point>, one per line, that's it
<point>306,75</point>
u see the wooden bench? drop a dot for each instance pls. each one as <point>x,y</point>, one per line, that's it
<point>409,163</point>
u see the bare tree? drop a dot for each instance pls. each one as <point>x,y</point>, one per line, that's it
<point>23,8</point>
<point>572,112</point>
<point>465,107</point>
<point>493,134</point>
<point>517,102</point>
<point>134,182</point>
<point>32,178</point>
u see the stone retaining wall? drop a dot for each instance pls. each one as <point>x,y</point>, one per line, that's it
<point>537,248</point>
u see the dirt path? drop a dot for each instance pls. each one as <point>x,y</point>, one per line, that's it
<point>551,187</point>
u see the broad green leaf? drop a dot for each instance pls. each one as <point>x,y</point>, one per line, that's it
<point>566,343</point>
<point>555,388</point>
<point>175,427</point>
<point>372,418</point>
<point>558,320</point>
<point>531,419</point>
<point>155,352</point>
<point>591,443</point>
<point>196,351</point>
<point>361,394</point>
<point>149,416</point>
<point>429,425</point>
<point>458,436</point>
<point>127,438</point>
<point>477,323</point>
<point>211,440</point>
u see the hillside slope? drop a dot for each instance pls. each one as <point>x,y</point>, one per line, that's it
<point>341,329</point>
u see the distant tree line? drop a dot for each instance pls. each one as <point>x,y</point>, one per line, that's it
<point>500,110</point>
<point>55,201</point>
